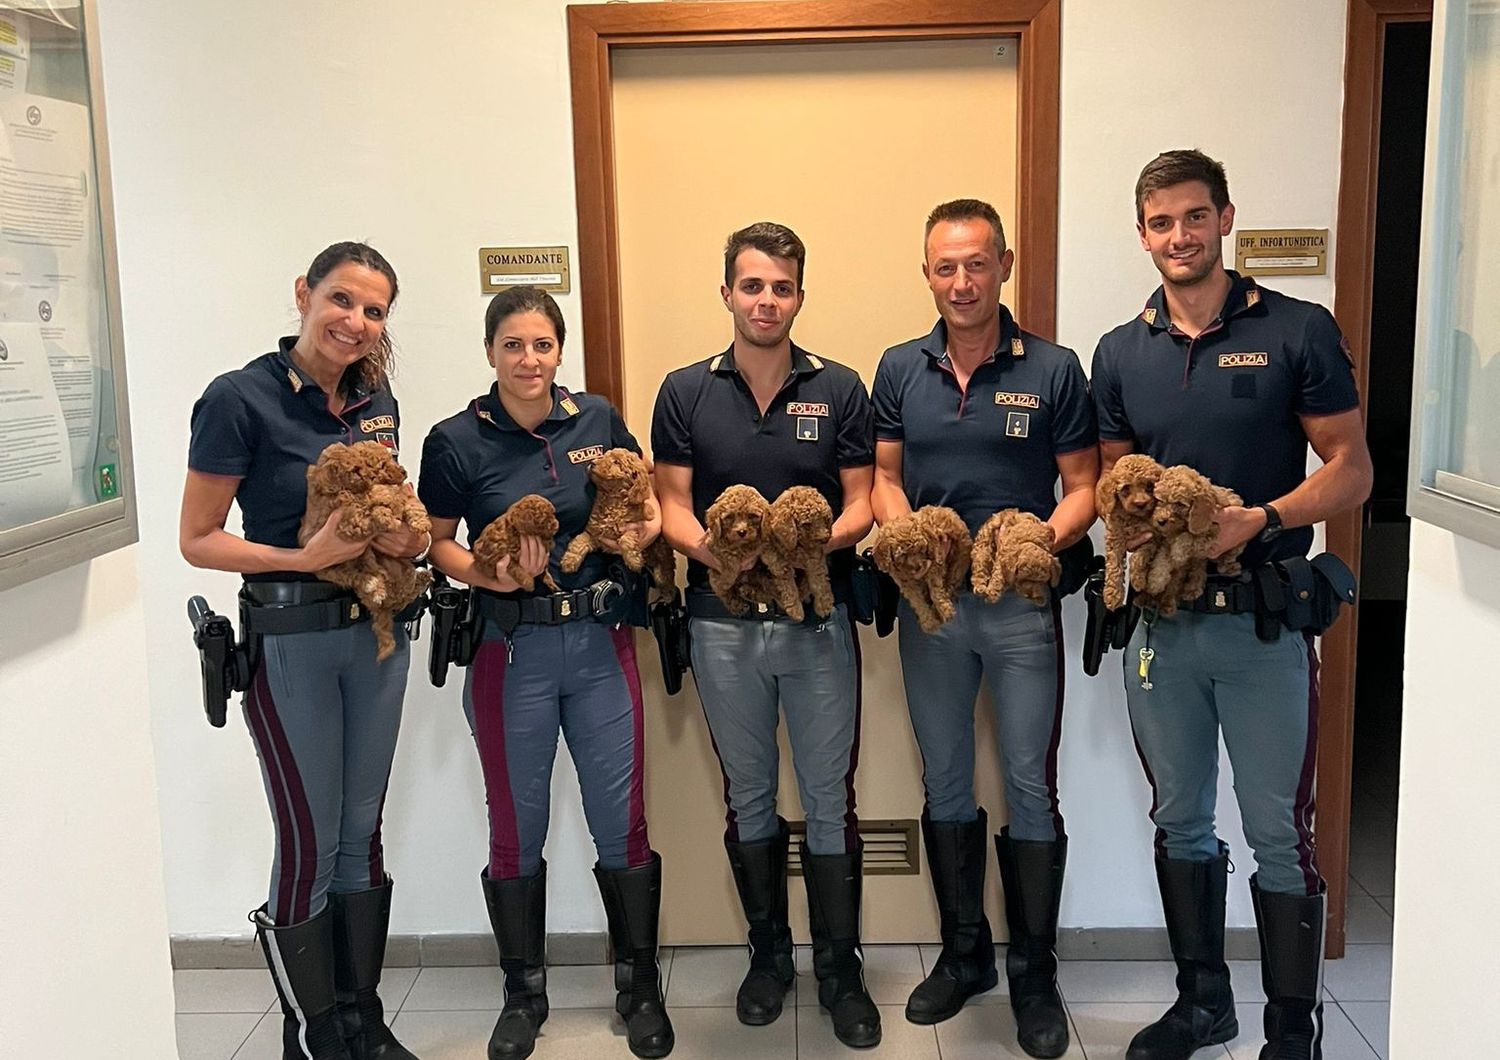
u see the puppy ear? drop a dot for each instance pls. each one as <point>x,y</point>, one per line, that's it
<point>783,530</point>
<point>1201,516</point>
<point>1106,496</point>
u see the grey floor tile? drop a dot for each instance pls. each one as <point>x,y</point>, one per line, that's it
<point>899,1040</point>
<point>223,990</point>
<point>1363,974</point>
<point>1106,1027</point>
<point>1375,870</point>
<point>212,1035</point>
<point>568,1033</point>
<point>395,984</point>
<point>1244,978</point>
<point>707,976</point>
<point>456,989</point>
<point>1340,1040</point>
<point>890,974</point>
<point>1367,921</point>
<point>264,1042</point>
<point>1084,981</point>
<point>985,1032</point>
<point>1373,1020</point>
<point>715,1034</point>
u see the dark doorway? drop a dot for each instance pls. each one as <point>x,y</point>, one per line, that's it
<point>1386,535</point>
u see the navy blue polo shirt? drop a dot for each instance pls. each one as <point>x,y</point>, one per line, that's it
<point>1227,402</point>
<point>479,462</point>
<point>995,444</point>
<point>265,423</point>
<point>819,423</point>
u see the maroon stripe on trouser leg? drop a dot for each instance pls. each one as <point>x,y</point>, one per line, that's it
<point>637,844</point>
<point>286,827</point>
<point>1303,809</point>
<point>307,836</point>
<point>1057,716</point>
<point>377,850</point>
<point>731,821</point>
<point>851,819</point>
<point>488,693</point>
<point>1160,840</point>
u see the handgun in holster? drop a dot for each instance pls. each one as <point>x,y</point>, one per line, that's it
<point>874,596</point>
<point>1104,629</point>
<point>669,625</point>
<point>457,629</point>
<point>227,663</point>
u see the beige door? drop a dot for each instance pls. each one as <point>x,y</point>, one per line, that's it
<point>851,145</point>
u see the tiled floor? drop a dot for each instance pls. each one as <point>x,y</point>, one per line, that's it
<point>447,1013</point>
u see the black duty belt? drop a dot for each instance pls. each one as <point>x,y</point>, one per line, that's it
<point>707,605</point>
<point>1225,595</point>
<point>555,609</point>
<point>273,608</point>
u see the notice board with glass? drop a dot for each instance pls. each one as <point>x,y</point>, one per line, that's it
<point>66,485</point>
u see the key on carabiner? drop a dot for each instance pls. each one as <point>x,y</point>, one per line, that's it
<point>1147,654</point>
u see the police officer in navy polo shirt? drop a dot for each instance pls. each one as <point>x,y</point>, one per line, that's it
<point>549,663</point>
<point>1235,380</point>
<point>981,416</point>
<point>322,712</point>
<point>768,414</point>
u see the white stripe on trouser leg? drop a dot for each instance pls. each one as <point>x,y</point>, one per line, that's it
<point>1317,1016</point>
<point>286,985</point>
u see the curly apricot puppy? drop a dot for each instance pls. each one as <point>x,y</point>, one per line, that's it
<point>736,533</point>
<point>1183,521</point>
<point>623,494</point>
<point>1126,497</point>
<point>927,554</point>
<point>531,516</point>
<point>366,482</point>
<point>800,524</point>
<point>1013,550</point>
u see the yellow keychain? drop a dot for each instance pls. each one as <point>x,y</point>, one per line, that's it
<point>1147,654</point>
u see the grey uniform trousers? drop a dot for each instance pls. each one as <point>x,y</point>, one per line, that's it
<point>745,669</point>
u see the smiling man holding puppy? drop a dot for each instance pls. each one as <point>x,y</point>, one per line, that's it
<point>1236,381</point>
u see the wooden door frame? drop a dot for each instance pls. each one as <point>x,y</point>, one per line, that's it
<point>595,30</point>
<point>1353,291</point>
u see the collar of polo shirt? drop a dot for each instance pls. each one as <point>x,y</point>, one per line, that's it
<point>1243,297</point>
<point>935,345</point>
<point>302,383</point>
<point>489,409</point>
<point>803,363</point>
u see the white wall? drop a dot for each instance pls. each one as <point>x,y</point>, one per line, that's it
<point>1445,961</point>
<point>245,137</point>
<point>83,922</point>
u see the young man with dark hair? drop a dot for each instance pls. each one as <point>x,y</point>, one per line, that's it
<point>981,416</point>
<point>1235,380</point>
<point>768,414</point>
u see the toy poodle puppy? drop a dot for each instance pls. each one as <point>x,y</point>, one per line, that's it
<point>736,535</point>
<point>927,554</point>
<point>369,486</point>
<point>1013,550</point>
<point>531,516</point>
<point>1126,498</point>
<point>1183,521</point>
<point>800,524</point>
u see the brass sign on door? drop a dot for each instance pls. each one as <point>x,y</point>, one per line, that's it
<point>544,267</point>
<point>1281,251</point>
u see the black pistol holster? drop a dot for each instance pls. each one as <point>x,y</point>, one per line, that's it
<point>669,625</point>
<point>227,663</point>
<point>457,628</point>
<point>1104,629</point>
<point>873,595</point>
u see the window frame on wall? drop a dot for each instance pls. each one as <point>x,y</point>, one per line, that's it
<point>1436,492</point>
<point>48,545</point>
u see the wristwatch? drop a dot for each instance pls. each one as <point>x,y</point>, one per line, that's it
<point>1272,529</point>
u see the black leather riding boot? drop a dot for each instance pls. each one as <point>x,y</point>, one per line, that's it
<point>632,905</point>
<point>1031,872</point>
<point>1192,897</point>
<point>1292,928</point>
<point>300,957</point>
<point>518,917</point>
<point>834,886</point>
<point>956,854</point>
<point>361,920</point>
<point>760,877</point>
